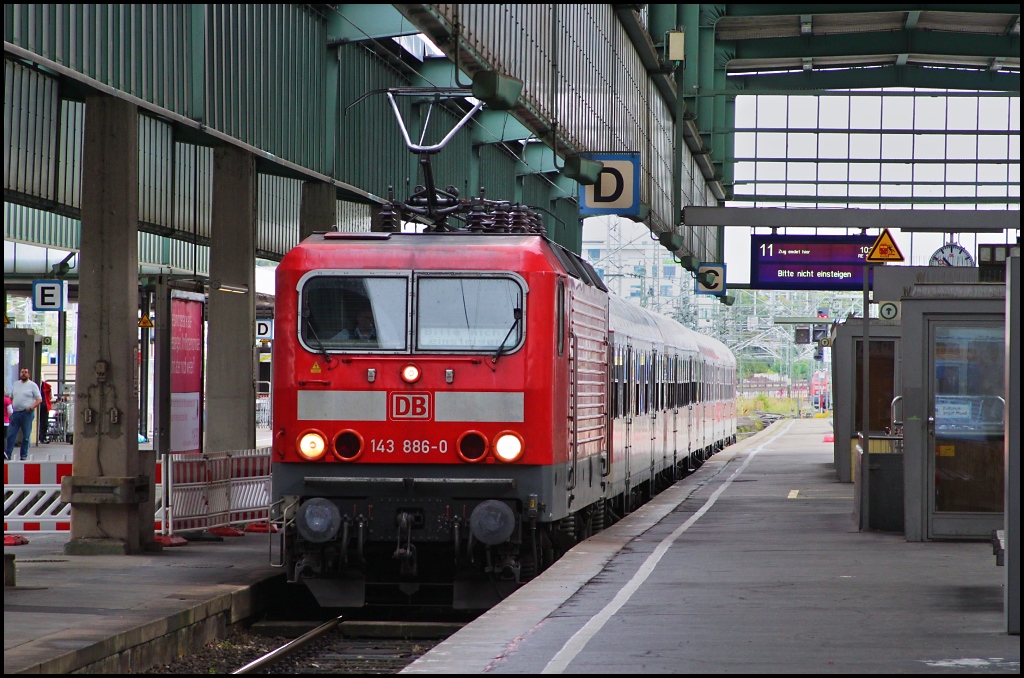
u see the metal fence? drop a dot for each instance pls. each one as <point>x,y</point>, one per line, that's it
<point>263,404</point>
<point>217,489</point>
<point>206,491</point>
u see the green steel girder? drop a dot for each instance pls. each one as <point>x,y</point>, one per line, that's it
<point>353,23</point>
<point>487,126</point>
<point>661,18</point>
<point>537,159</point>
<point>691,27</point>
<point>439,72</point>
<point>498,126</point>
<point>876,43</point>
<point>885,76</point>
<point>797,10</point>
<point>563,187</point>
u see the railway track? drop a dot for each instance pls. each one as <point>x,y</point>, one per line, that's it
<point>352,647</point>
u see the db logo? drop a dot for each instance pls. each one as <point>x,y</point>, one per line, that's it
<point>410,406</point>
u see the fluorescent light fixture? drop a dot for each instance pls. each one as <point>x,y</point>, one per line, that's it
<point>237,289</point>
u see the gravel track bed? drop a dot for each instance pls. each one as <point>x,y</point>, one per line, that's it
<point>332,653</point>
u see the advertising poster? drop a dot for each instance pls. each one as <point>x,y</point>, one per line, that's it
<point>186,375</point>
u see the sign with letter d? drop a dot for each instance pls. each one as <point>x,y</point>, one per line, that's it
<point>617,190</point>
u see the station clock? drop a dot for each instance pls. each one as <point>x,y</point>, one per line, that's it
<point>951,254</point>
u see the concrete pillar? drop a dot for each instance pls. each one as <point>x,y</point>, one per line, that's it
<point>318,211</point>
<point>231,362</point>
<point>110,483</point>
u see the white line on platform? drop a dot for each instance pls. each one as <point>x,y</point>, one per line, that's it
<point>561,660</point>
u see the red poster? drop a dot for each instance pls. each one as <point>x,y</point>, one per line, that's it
<point>186,375</point>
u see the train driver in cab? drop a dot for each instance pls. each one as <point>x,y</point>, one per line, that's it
<point>363,331</point>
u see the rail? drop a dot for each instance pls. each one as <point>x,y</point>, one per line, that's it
<point>288,648</point>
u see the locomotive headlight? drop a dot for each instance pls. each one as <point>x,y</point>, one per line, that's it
<point>312,445</point>
<point>318,520</point>
<point>508,446</point>
<point>410,374</point>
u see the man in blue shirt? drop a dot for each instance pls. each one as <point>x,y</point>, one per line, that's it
<point>26,398</point>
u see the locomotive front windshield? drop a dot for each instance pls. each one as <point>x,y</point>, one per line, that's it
<point>355,313</point>
<point>469,314</point>
<point>342,312</point>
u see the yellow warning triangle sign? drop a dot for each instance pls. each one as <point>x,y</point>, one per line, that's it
<point>884,249</point>
<point>145,322</point>
<point>7,319</point>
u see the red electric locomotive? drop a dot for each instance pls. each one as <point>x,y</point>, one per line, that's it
<point>455,410</point>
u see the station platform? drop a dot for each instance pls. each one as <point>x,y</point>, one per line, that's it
<point>124,614</point>
<point>753,564</point>
<point>118,614</point>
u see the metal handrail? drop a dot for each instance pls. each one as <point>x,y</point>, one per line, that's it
<point>283,529</point>
<point>574,397</point>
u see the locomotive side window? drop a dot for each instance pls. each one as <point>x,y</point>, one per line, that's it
<point>469,314</point>
<point>560,306</point>
<point>341,312</point>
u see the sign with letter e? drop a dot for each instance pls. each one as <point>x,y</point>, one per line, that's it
<point>49,295</point>
<point>617,190</point>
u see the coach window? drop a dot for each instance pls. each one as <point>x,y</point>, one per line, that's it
<point>673,395</point>
<point>469,314</point>
<point>691,387</point>
<point>616,385</point>
<point>627,382</point>
<point>353,313</point>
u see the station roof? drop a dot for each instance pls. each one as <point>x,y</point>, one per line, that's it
<point>979,41</point>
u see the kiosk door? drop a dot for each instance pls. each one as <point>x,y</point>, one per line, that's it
<point>965,427</point>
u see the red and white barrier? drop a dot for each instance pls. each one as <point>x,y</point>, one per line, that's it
<point>32,497</point>
<point>207,491</point>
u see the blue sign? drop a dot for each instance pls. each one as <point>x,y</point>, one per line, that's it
<point>710,279</point>
<point>49,295</point>
<point>617,190</point>
<point>809,262</point>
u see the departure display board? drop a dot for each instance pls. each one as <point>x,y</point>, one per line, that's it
<point>808,262</point>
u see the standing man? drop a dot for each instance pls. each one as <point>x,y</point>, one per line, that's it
<point>26,397</point>
<point>44,412</point>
